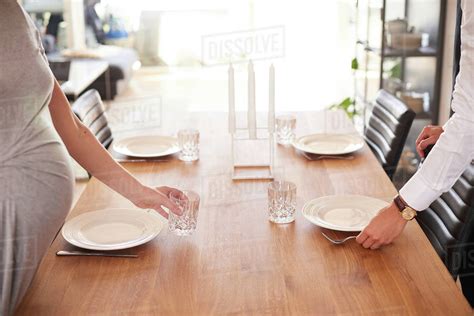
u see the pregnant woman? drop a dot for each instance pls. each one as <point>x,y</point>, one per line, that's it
<point>37,130</point>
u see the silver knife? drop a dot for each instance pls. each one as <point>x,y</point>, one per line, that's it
<point>97,254</point>
<point>321,157</point>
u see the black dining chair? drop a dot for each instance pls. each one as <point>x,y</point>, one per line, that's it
<point>449,225</point>
<point>60,69</point>
<point>387,130</point>
<point>90,110</point>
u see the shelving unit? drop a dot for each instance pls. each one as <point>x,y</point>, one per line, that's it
<point>380,66</point>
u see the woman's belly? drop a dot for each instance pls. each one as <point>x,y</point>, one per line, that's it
<point>39,173</point>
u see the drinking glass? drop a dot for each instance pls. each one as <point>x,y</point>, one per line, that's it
<point>184,224</point>
<point>285,129</point>
<point>188,140</point>
<point>281,202</point>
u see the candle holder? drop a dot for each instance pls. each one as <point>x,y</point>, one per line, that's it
<point>252,158</point>
<point>253,148</point>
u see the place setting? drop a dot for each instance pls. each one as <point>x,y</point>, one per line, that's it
<point>318,146</point>
<point>157,148</point>
<point>335,146</point>
<point>349,214</point>
<point>335,213</point>
<point>106,232</point>
<point>342,213</point>
<point>110,232</point>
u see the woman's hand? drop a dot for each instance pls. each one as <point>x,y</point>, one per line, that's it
<point>157,198</point>
<point>428,136</point>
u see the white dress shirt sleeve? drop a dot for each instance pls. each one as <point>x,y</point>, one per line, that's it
<point>454,151</point>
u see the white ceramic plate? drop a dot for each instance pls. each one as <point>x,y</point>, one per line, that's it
<point>112,229</point>
<point>342,212</point>
<point>146,146</point>
<point>329,144</point>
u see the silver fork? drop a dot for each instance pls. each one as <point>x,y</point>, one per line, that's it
<point>338,241</point>
<point>313,158</point>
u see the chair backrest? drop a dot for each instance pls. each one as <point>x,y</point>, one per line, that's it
<point>60,69</point>
<point>449,222</point>
<point>388,129</point>
<point>90,110</point>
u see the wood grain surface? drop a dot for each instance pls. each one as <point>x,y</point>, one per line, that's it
<point>237,262</point>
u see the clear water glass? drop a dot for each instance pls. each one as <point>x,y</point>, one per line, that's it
<point>188,140</point>
<point>184,224</point>
<point>285,129</point>
<point>281,202</point>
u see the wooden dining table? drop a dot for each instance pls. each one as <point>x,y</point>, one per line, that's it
<point>237,261</point>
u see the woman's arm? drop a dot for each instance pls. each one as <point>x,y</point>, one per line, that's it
<point>92,156</point>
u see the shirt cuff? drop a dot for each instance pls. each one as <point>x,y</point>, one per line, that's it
<point>417,194</point>
<point>444,125</point>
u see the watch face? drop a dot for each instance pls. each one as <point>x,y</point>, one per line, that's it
<point>408,214</point>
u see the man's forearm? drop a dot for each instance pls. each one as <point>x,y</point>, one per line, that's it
<point>446,162</point>
<point>455,148</point>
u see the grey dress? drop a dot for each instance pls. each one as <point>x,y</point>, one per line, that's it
<point>36,180</point>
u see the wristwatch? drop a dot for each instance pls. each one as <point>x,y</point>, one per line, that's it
<point>407,212</point>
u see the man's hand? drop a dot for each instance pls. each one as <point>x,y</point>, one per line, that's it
<point>428,136</point>
<point>383,228</point>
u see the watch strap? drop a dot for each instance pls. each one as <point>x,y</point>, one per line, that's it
<point>399,203</point>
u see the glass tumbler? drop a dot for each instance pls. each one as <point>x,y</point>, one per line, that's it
<point>281,202</point>
<point>188,140</point>
<point>285,129</point>
<point>184,224</point>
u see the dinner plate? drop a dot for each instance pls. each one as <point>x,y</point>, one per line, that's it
<point>146,146</point>
<point>112,229</point>
<point>342,212</point>
<point>329,144</point>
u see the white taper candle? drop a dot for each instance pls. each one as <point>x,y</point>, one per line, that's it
<point>252,111</point>
<point>231,100</point>
<point>271,100</point>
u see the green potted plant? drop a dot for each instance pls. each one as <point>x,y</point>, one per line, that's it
<point>348,105</point>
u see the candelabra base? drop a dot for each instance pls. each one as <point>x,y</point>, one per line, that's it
<point>248,172</point>
<point>253,159</point>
